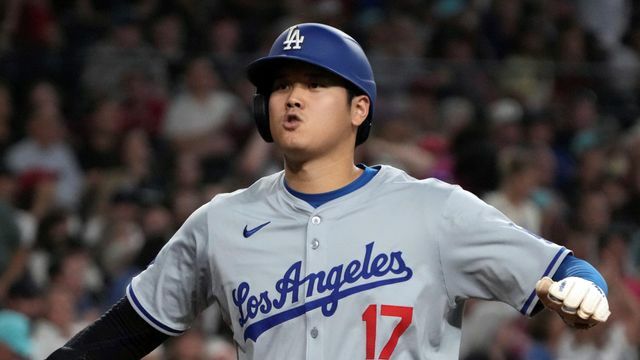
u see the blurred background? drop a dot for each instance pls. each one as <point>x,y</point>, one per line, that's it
<point>119,118</point>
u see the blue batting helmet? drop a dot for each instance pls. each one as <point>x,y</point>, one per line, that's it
<point>319,45</point>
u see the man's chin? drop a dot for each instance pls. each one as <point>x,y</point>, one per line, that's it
<point>295,151</point>
<point>292,143</point>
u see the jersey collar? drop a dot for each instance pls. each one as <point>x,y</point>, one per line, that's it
<point>317,200</point>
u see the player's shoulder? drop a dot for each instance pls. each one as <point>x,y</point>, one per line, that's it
<point>257,192</point>
<point>447,201</point>
<point>452,198</point>
<point>395,177</point>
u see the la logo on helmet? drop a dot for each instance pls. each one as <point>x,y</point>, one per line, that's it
<point>293,38</point>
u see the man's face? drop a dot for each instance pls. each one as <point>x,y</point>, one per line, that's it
<point>309,112</point>
<point>200,76</point>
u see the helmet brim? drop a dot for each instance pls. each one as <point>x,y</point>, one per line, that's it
<point>262,72</point>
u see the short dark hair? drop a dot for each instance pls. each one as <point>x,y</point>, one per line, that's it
<point>352,91</point>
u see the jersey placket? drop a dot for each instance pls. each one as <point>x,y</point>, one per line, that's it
<point>315,260</point>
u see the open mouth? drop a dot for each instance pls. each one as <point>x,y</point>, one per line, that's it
<point>291,122</point>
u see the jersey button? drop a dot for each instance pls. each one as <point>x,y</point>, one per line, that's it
<point>315,243</point>
<point>314,333</point>
<point>316,220</point>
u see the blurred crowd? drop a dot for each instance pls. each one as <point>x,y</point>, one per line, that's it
<point>119,118</point>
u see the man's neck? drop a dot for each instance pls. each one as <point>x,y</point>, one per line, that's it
<point>320,176</point>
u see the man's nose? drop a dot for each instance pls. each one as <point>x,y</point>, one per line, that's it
<point>295,96</point>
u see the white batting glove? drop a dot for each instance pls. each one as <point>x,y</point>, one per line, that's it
<point>580,303</point>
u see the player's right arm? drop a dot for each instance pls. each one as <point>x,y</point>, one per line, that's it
<point>119,334</point>
<point>161,301</point>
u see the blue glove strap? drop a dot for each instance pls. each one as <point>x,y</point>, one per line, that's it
<point>573,266</point>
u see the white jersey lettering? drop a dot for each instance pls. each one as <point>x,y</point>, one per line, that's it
<point>333,281</point>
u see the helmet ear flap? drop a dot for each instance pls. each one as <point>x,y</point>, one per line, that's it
<point>261,116</point>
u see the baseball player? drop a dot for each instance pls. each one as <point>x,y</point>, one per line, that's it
<point>332,260</point>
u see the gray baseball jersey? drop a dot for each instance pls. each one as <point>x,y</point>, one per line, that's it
<point>381,272</point>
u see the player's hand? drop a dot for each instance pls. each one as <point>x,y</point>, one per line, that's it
<point>579,302</point>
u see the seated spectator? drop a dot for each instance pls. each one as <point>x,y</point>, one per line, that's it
<point>55,236</point>
<point>144,103</point>
<point>198,119</point>
<point>99,146</point>
<point>123,50</point>
<point>119,233</point>
<point>99,153</point>
<point>157,226</point>
<point>75,274</point>
<point>513,198</point>
<point>58,324</point>
<point>24,297</point>
<point>46,152</point>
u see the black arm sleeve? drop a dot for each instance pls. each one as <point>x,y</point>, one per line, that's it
<point>119,334</point>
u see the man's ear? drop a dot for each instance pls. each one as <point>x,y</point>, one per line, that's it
<point>359,109</point>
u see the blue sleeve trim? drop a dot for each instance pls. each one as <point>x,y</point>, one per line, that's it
<point>148,316</point>
<point>573,266</point>
<point>554,261</point>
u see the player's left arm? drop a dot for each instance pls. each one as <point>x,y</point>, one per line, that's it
<point>577,292</point>
<point>487,256</point>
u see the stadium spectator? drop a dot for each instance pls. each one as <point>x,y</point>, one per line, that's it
<point>45,155</point>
